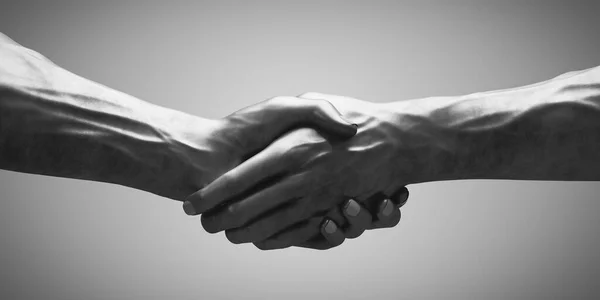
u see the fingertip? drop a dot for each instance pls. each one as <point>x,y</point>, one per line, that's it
<point>193,204</point>
<point>401,197</point>
<point>386,208</point>
<point>395,218</point>
<point>202,200</point>
<point>208,224</point>
<point>352,129</point>
<point>189,208</point>
<point>235,236</point>
<point>351,208</point>
<point>356,214</point>
<point>329,227</point>
<point>262,246</point>
<point>332,234</point>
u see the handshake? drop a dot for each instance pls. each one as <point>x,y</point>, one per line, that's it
<point>307,171</point>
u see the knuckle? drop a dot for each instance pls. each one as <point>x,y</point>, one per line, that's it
<point>325,102</point>
<point>234,216</point>
<point>232,210</point>
<point>294,155</point>
<point>320,106</point>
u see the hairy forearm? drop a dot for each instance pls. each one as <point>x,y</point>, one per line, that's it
<point>53,122</point>
<point>545,131</point>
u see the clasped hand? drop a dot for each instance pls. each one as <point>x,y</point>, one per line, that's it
<point>297,189</point>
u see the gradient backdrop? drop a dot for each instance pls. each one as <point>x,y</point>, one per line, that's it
<point>69,239</point>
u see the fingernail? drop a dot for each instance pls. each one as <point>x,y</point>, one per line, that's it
<point>189,208</point>
<point>330,227</point>
<point>404,195</point>
<point>401,198</point>
<point>352,208</point>
<point>388,208</point>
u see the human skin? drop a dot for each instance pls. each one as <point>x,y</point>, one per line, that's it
<point>53,122</point>
<point>348,222</point>
<point>544,131</point>
<point>56,123</point>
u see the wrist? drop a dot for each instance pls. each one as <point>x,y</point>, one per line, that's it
<point>76,128</point>
<point>474,136</point>
<point>431,148</point>
<point>183,161</point>
<point>160,150</point>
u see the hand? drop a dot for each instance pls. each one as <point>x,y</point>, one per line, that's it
<point>348,221</point>
<point>77,128</point>
<point>313,175</point>
<point>207,149</point>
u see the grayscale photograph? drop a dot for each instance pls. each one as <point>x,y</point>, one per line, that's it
<point>300,150</point>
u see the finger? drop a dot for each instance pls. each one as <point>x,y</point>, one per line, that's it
<point>336,214</point>
<point>295,235</point>
<point>387,216</point>
<point>318,243</point>
<point>321,241</point>
<point>332,233</point>
<point>266,226</point>
<point>279,220</point>
<point>328,118</point>
<point>266,164</point>
<point>259,124</point>
<point>400,197</point>
<point>287,153</point>
<point>243,211</point>
<point>358,218</point>
<point>375,204</point>
<point>331,236</point>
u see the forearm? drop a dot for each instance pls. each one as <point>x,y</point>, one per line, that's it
<point>545,131</point>
<point>53,122</point>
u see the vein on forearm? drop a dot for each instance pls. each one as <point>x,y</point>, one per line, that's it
<point>71,135</point>
<point>549,131</point>
<point>54,122</point>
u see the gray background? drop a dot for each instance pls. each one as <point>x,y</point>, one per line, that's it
<point>68,239</point>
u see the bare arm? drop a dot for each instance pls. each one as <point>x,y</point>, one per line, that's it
<point>53,122</point>
<point>545,131</point>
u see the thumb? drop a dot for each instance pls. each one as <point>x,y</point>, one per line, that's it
<point>328,118</point>
<point>256,126</point>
